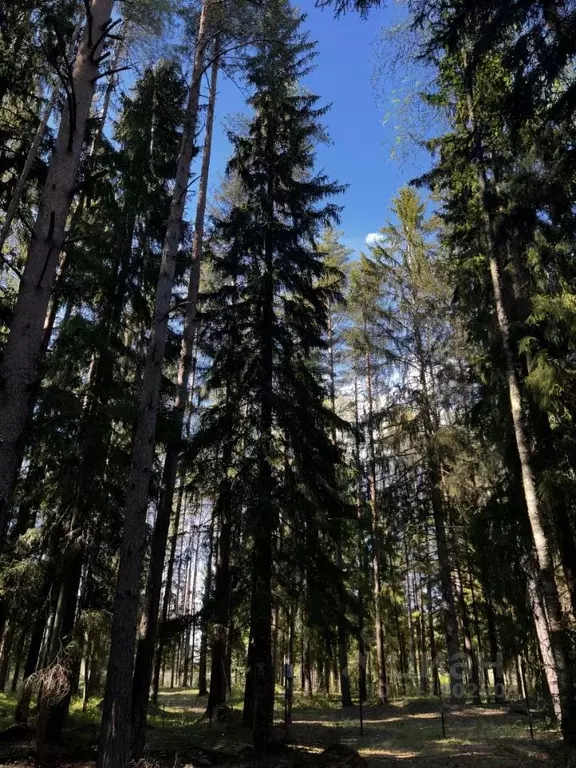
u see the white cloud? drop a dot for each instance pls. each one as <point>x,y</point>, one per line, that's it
<point>373,238</point>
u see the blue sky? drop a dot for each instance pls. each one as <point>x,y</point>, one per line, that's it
<point>359,154</point>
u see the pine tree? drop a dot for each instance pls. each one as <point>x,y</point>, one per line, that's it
<point>20,360</point>
<point>479,153</point>
<point>88,387</point>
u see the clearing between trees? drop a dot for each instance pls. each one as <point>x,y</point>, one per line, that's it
<point>406,733</point>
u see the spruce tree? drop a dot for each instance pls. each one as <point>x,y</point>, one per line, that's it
<point>270,270</point>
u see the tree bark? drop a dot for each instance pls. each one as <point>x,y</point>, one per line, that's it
<point>552,638</point>
<point>202,660</point>
<point>496,660</point>
<point>110,86</point>
<point>191,641</point>
<point>167,594</point>
<point>409,608</point>
<point>362,565</point>
<point>472,659</point>
<point>143,667</point>
<point>433,467</point>
<point>377,585</point>
<point>345,692</point>
<point>145,655</point>
<point>222,587</point>
<point>290,661</point>
<point>249,687</point>
<point>34,147</point>
<point>424,680</point>
<point>115,737</point>
<point>19,365</point>
<point>29,162</point>
<point>559,501</point>
<point>543,635</point>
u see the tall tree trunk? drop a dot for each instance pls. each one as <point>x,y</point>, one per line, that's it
<point>433,467</point>
<point>119,50</point>
<point>377,585</point>
<point>275,642</point>
<point>143,667</point>
<point>344,677</point>
<point>424,680</point>
<point>290,662</point>
<point>476,617</point>
<point>342,630</point>
<point>7,647</point>
<point>194,612</point>
<point>19,365</point>
<point>17,664</point>
<point>23,706</point>
<point>307,665</point>
<point>167,593</point>
<point>115,736</point>
<point>61,635</point>
<point>249,686</point>
<point>472,659</point>
<point>558,500</point>
<point>362,565</point>
<point>29,162</point>
<point>34,147</point>
<point>222,587</point>
<point>202,660</point>
<point>431,635</point>
<point>552,637</point>
<point>191,640</point>
<point>145,655</point>
<point>402,660</point>
<point>409,609</point>
<point>496,656</point>
<point>543,635</point>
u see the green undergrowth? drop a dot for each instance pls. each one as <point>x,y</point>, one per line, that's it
<point>7,705</point>
<point>405,728</point>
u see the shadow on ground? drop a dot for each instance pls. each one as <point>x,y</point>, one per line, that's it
<point>406,734</point>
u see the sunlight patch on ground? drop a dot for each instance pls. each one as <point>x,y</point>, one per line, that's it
<point>367,752</point>
<point>479,712</point>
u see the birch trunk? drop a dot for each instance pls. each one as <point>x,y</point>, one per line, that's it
<point>22,352</point>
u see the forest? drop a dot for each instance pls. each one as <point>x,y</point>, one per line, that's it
<point>258,487</point>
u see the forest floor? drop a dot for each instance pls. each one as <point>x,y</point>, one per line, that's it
<point>407,734</point>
